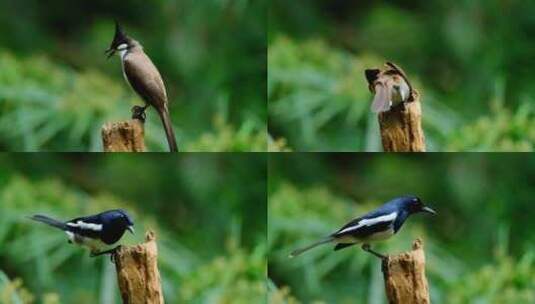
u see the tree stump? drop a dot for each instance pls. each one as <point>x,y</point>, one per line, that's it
<point>123,136</point>
<point>137,272</point>
<point>404,275</point>
<point>401,127</point>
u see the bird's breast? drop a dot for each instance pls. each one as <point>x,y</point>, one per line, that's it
<point>381,235</point>
<point>374,237</point>
<point>124,73</point>
<point>91,243</point>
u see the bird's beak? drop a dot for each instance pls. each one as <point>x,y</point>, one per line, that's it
<point>110,52</point>
<point>428,210</point>
<point>131,229</point>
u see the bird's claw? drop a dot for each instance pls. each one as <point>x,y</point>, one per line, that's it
<point>138,112</point>
<point>384,266</point>
<point>111,252</point>
<point>366,247</point>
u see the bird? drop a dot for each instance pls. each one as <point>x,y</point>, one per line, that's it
<point>391,87</point>
<point>143,77</point>
<point>100,232</point>
<point>379,224</point>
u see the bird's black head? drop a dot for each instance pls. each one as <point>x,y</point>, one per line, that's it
<point>124,220</point>
<point>415,205</point>
<point>120,41</point>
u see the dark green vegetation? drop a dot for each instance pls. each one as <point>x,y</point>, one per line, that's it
<point>57,88</point>
<point>211,226</point>
<point>472,61</point>
<point>479,248</point>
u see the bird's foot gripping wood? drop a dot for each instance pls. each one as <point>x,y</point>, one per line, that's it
<point>138,112</point>
<point>111,252</point>
<point>367,248</point>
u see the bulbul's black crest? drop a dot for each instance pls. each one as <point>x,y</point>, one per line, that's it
<point>119,38</point>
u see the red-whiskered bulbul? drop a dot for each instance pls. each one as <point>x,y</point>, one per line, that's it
<point>144,78</point>
<point>391,87</point>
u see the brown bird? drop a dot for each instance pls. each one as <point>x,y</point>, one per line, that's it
<point>141,74</point>
<point>390,87</point>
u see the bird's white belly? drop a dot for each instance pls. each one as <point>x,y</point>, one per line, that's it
<point>379,236</point>
<point>124,74</point>
<point>124,54</point>
<point>94,245</point>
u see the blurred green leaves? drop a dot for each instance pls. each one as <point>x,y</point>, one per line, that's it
<point>501,130</point>
<point>311,94</point>
<point>46,106</point>
<point>13,292</point>
<point>237,278</point>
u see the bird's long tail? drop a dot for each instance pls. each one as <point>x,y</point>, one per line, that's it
<point>50,221</point>
<point>302,250</point>
<point>167,125</point>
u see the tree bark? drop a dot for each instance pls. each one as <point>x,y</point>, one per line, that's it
<point>123,136</point>
<point>404,276</point>
<point>137,272</point>
<point>401,127</point>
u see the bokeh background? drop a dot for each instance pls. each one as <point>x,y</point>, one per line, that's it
<point>210,224</point>
<point>57,88</point>
<point>480,248</point>
<point>472,61</point>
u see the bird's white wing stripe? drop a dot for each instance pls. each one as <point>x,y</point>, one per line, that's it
<point>88,226</point>
<point>372,221</point>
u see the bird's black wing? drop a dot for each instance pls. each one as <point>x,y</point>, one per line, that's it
<point>350,224</point>
<point>362,227</point>
<point>342,246</point>
<point>87,226</point>
<point>365,230</point>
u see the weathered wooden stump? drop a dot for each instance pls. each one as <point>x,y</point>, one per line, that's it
<point>401,127</point>
<point>137,272</point>
<point>123,136</point>
<point>404,275</point>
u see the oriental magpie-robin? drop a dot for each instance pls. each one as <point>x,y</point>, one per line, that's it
<point>99,232</point>
<point>379,224</point>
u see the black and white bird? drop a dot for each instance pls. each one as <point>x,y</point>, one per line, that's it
<point>145,80</point>
<point>379,224</point>
<point>100,232</point>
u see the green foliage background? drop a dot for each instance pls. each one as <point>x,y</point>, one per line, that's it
<point>211,227</point>
<point>472,61</point>
<point>479,248</point>
<point>57,88</point>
